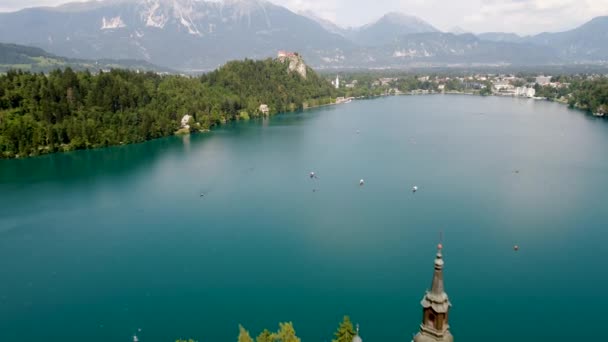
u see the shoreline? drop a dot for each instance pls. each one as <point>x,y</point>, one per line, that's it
<point>586,110</point>
<point>347,100</point>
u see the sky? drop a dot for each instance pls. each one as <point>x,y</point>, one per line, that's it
<point>519,16</point>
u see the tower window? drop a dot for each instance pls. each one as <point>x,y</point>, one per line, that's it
<point>431,321</point>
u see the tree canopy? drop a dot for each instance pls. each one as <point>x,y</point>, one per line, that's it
<point>67,110</point>
<point>244,335</point>
<point>345,332</point>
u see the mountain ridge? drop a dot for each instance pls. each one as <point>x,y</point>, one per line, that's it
<point>201,35</point>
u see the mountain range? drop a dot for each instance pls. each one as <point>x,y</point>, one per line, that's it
<point>203,34</point>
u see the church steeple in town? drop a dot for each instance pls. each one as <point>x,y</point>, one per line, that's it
<point>435,307</point>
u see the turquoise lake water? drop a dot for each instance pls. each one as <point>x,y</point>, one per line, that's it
<point>95,245</point>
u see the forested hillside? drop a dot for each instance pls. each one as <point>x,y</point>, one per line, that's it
<point>13,56</point>
<point>69,110</point>
<point>579,92</point>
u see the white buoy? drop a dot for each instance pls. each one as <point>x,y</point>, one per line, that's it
<point>414,189</point>
<point>361,182</point>
<point>312,174</point>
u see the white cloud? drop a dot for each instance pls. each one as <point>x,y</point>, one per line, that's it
<point>533,16</point>
<point>520,16</point>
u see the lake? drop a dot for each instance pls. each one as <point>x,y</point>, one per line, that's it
<point>95,245</point>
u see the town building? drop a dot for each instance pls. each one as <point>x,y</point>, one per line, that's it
<point>387,80</point>
<point>502,86</point>
<point>525,92</point>
<point>543,80</point>
<point>352,84</point>
<point>435,308</point>
<point>473,85</point>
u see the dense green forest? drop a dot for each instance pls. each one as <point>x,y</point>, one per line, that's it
<point>67,110</point>
<point>587,94</point>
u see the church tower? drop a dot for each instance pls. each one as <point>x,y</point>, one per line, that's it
<point>435,307</point>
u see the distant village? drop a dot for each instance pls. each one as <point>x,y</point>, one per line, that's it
<point>502,85</point>
<point>531,86</point>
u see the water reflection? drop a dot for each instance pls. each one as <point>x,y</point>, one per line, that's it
<point>83,166</point>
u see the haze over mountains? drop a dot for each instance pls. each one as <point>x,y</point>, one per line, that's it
<point>201,35</point>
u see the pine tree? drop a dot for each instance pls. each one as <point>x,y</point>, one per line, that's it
<point>345,332</point>
<point>264,336</point>
<point>286,333</point>
<point>244,335</point>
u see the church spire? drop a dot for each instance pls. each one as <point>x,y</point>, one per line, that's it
<point>435,307</point>
<point>437,286</point>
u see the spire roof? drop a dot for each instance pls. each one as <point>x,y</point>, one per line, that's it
<point>437,287</point>
<point>435,327</point>
<point>436,297</point>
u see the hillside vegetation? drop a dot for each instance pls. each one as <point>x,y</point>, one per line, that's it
<point>13,56</point>
<point>69,110</point>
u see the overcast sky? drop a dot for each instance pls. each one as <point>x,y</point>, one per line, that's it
<point>520,16</point>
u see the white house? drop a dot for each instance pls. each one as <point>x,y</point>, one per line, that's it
<point>185,120</point>
<point>531,92</point>
<point>525,92</point>
<point>264,109</point>
<point>543,80</point>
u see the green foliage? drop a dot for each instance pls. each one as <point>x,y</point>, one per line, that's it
<point>286,333</point>
<point>244,115</point>
<point>588,94</point>
<point>188,340</point>
<point>345,332</point>
<point>264,336</point>
<point>244,335</point>
<point>22,57</point>
<point>69,110</point>
<point>487,90</point>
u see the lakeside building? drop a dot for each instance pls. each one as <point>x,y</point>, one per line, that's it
<point>525,92</point>
<point>185,121</point>
<point>503,86</point>
<point>264,109</point>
